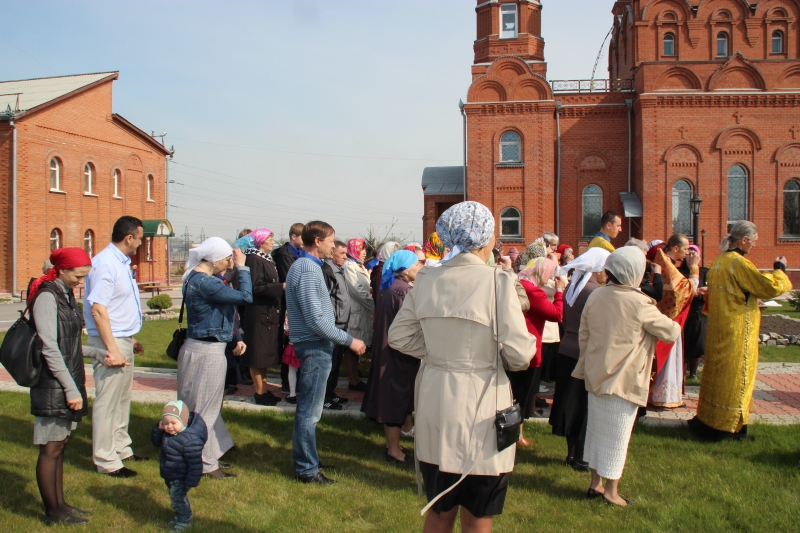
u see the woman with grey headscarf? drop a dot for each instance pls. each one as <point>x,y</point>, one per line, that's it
<point>617,338</point>
<point>455,319</point>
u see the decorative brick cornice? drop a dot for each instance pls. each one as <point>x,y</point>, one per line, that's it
<point>721,100</point>
<point>592,111</point>
<point>510,108</point>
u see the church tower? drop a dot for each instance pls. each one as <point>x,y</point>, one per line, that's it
<point>509,27</point>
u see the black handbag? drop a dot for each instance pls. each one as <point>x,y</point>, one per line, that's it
<point>507,422</point>
<point>179,337</point>
<point>21,352</point>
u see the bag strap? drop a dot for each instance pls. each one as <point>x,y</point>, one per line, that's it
<point>183,298</point>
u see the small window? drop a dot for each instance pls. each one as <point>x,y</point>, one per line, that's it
<point>592,210</point>
<point>56,240</point>
<point>791,208</point>
<point>148,246</point>
<point>117,184</point>
<point>681,212</point>
<point>737,194</point>
<point>150,188</point>
<point>669,45</point>
<point>510,223</point>
<point>722,45</point>
<point>88,242</point>
<point>55,174</point>
<point>88,179</point>
<point>510,147</point>
<point>508,21</point>
<point>777,42</point>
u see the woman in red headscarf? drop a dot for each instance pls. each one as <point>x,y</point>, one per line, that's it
<point>362,307</point>
<point>58,401</point>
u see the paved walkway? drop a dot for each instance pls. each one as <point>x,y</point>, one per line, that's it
<point>777,395</point>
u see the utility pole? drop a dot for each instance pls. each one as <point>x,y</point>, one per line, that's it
<point>202,235</point>
<point>186,243</point>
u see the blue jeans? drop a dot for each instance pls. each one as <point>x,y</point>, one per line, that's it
<point>315,365</point>
<point>180,501</point>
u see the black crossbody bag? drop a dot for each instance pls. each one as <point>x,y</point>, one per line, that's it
<point>179,337</point>
<point>508,421</point>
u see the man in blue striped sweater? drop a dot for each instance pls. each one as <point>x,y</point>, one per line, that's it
<point>313,331</point>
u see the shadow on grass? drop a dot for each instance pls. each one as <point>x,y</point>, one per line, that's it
<point>21,503</point>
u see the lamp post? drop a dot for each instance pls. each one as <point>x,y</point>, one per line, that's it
<point>694,205</point>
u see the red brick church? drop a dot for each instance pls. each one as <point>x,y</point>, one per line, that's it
<point>702,99</point>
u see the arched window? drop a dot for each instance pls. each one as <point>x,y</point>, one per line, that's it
<point>777,42</point>
<point>510,223</point>
<point>737,194</point>
<point>791,208</point>
<point>669,45</point>
<point>88,242</point>
<point>56,239</point>
<point>592,210</point>
<point>55,174</point>
<point>510,147</point>
<point>722,45</point>
<point>117,184</point>
<point>150,188</point>
<point>88,178</point>
<point>681,212</point>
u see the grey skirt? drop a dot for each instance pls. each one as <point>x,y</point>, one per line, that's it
<point>51,429</point>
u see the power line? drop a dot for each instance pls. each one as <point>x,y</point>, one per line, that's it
<point>27,54</point>
<point>314,153</point>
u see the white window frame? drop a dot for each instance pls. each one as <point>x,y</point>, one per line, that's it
<point>88,179</point>
<point>55,172</point>
<point>583,207</point>
<point>503,143</point>
<point>746,193</point>
<point>506,9</point>
<point>149,248</point>
<point>88,242</point>
<point>518,219</point>
<point>56,238</point>
<point>786,191</point>
<point>727,38</point>
<point>116,178</point>
<point>676,191</point>
<point>777,35</point>
<point>149,188</point>
<point>671,38</point>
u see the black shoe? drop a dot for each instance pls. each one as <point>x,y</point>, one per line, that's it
<point>291,399</point>
<point>318,478</point>
<point>578,466</point>
<point>69,519</point>
<point>224,466</point>
<point>389,459</point>
<point>218,474</point>
<point>79,512</point>
<point>358,388</point>
<point>332,406</point>
<point>123,472</point>
<point>139,458</point>
<point>284,387</point>
<point>609,502</point>
<point>340,401</point>
<point>592,494</point>
<point>265,399</point>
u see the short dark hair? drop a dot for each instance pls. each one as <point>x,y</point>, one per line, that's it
<point>339,244</point>
<point>245,232</point>
<point>125,226</point>
<point>296,229</point>
<point>316,229</point>
<point>609,217</point>
<point>676,239</point>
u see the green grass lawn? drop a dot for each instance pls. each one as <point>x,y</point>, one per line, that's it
<point>677,482</point>
<point>785,309</point>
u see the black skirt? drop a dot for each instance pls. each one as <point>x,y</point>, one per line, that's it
<point>482,496</point>
<point>522,385</point>
<point>571,401</point>
<point>549,356</point>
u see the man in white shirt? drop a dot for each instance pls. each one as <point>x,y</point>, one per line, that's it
<point>113,316</point>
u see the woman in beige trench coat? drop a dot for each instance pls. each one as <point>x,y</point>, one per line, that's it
<point>449,321</point>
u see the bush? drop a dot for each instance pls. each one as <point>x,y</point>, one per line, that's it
<point>160,302</point>
<point>794,300</point>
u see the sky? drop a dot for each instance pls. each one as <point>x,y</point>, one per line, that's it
<point>293,110</point>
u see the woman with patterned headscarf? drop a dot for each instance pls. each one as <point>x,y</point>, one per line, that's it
<point>260,320</point>
<point>534,278</point>
<point>455,319</point>
<point>537,248</point>
<point>362,306</point>
<point>434,250</point>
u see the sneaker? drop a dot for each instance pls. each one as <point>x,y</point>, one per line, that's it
<point>360,387</point>
<point>177,527</point>
<point>330,406</point>
<point>340,401</point>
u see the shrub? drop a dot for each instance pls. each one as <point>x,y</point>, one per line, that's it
<point>794,300</point>
<point>160,302</point>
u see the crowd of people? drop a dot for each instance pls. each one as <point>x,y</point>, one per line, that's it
<point>459,330</point>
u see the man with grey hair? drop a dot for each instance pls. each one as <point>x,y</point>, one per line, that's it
<point>643,246</point>
<point>550,241</point>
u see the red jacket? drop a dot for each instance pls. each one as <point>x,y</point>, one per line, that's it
<point>542,310</point>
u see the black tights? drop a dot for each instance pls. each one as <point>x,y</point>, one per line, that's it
<point>575,448</point>
<point>50,478</point>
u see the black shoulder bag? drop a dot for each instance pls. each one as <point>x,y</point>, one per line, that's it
<point>508,421</point>
<point>179,337</point>
<point>21,351</point>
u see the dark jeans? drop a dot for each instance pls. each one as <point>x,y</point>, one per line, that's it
<point>333,377</point>
<point>180,501</point>
<point>315,366</point>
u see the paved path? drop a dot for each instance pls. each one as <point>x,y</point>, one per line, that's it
<point>777,395</point>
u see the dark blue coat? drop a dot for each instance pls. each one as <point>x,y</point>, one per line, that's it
<point>182,454</point>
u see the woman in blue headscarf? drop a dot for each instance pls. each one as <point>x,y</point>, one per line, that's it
<point>389,398</point>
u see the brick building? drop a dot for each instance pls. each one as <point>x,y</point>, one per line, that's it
<point>703,98</point>
<point>72,167</point>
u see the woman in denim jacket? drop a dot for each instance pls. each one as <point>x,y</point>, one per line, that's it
<point>210,307</point>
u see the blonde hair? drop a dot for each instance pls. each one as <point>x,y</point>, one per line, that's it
<point>739,231</point>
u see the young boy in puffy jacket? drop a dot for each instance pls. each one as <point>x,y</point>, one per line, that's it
<point>181,436</point>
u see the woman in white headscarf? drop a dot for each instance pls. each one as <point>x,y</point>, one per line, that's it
<point>210,310</point>
<point>570,399</point>
<point>619,329</point>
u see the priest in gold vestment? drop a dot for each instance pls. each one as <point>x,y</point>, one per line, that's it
<point>734,320</point>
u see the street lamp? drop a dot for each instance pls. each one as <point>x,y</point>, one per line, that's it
<point>694,205</point>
